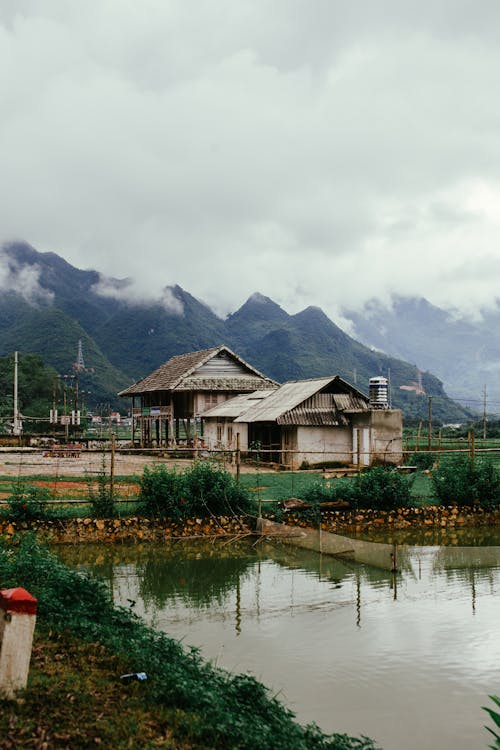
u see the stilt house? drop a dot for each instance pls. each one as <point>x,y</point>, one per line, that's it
<point>167,403</point>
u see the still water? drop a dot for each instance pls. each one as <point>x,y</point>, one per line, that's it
<point>406,659</point>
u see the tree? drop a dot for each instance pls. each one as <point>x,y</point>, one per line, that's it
<point>35,389</point>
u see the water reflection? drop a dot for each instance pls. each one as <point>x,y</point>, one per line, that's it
<point>436,536</point>
<point>349,646</point>
<point>205,575</point>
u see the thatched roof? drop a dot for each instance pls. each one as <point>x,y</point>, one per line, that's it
<point>180,374</point>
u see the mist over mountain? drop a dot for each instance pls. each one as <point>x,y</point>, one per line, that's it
<point>464,353</point>
<point>47,306</point>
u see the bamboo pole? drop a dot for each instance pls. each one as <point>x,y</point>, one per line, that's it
<point>418,436</point>
<point>238,457</point>
<point>112,468</point>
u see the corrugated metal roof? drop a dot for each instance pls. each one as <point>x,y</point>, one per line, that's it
<point>235,407</point>
<point>317,417</point>
<point>287,397</point>
<point>301,402</point>
<point>350,401</point>
<point>172,373</point>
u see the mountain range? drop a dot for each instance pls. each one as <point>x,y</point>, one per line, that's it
<point>48,306</point>
<point>463,352</point>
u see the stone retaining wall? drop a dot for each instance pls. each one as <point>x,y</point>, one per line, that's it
<point>131,530</point>
<point>352,521</point>
<point>339,522</point>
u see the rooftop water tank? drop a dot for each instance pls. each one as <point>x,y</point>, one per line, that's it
<point>379,393</point>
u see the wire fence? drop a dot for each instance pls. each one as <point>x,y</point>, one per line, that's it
<point>71,472</point>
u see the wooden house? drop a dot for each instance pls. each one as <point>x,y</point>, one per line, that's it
<point>313,421</point>
<point>166,405</point>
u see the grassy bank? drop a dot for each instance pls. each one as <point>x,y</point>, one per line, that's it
<point>75,700</point>
<point>84,643</point>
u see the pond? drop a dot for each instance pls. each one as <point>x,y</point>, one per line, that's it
<point>408,659</point>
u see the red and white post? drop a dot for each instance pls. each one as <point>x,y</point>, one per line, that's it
<point>17,625</point>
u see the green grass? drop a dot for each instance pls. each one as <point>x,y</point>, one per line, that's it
<point>421,489</point>
<point>278,486</point>
<point>266,486</point>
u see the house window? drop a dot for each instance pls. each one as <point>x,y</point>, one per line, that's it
<point>220,432</point>
<point>210,400</point>
<point>230,434</point>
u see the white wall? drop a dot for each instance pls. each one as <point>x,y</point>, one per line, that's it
<point>316,444</point>
<point>210,434</point>
<point>387,435</point>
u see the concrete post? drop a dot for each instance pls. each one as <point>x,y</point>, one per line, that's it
<point>17,624</point>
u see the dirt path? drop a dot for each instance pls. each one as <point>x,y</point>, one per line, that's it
<point>29,463</point>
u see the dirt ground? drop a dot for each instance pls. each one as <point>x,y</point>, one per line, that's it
<point>29,462</point>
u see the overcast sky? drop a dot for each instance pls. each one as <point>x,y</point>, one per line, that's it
<point>320,152</point>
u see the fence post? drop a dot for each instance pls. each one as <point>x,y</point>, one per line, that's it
<point>238,457</point>
<point>17,624</point>
<point>112,469</point>
<point>418,436</point>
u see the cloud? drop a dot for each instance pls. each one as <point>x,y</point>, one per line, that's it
<point>24,280</point>
<point>320,152</point>
<point>126,291</point>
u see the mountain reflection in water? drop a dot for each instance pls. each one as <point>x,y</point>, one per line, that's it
<point>408,658</point>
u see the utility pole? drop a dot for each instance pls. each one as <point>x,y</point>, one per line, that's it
<point>484,412</point>
<point>53,416</point>
<point>112,469</point>
<point>16,427</point>
<point>429,434</point>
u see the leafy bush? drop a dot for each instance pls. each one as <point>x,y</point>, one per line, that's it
<point>423,460</point>
<point>374,488</point>
<point>28,503</point>
<point>320,492</point>
<point>161,493</point>
<point>202,489</point>
<point>496,718</point>
<point>382,488</point>
<point>466,483</point>
<point>102,500</point>
<point>210,490</point>
<point>213,708</point>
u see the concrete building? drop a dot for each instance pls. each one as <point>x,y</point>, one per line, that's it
<point>308,421</point>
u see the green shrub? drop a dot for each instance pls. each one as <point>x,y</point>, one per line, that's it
<point>496,718</point>
<point>382,488</point>
<point>211,490</point>
<point>203,489</point>
<point>28,503</point>
<point>102,500</point>
<point>161,493</point>
<point>466,483</point>
<point>374,488</point>
<point>423,460</point>
<point>320,492</point>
